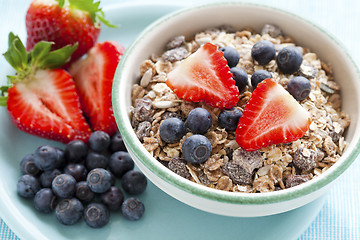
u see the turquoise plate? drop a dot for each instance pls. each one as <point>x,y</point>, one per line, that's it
<point>165,217</point>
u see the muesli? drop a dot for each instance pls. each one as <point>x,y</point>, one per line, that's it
<point>229,167</point>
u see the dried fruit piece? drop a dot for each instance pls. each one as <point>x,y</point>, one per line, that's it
<point>247,160</point>
<point>305,159</point>
<point>237,174</point>
<point>178,166</point>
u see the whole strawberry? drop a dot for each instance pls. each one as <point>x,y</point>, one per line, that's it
<point>41,98</point>
<point>64,22</point>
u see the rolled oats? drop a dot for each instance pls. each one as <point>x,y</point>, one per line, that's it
<point>229,167</point>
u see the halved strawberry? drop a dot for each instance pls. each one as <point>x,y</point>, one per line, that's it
<point>271,116</point>
<point>43,101</point>
<point>204,76</point>
<point>93,77</point>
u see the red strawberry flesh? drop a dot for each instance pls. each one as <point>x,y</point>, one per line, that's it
<point>93,77</point>
<point>271,116</point>
<point>204,76</point>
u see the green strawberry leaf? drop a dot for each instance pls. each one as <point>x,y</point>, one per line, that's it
<point>3,95</point>
<point>16,54</point>
<point>61,3</point>
<point>59,57</point>
<point>96,13</point>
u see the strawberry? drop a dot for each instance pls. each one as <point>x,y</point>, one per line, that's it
<point>93,77</point>
<point>41,99</point>
<point>64,22</point>
<point>204,76</point>
<point>271,116</point>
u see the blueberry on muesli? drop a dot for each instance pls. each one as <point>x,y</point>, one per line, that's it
<point>231,55</point>
<point>259,76</point>
<point>263,52</point>
<point>299,87</point>
<point>172,130</point>
<point>196,149</point>
<point>229,118</point>
<point>240,77</point>
<point>199,120</point>
<point>289,59</point>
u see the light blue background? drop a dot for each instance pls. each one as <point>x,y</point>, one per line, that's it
<point>340,216</point>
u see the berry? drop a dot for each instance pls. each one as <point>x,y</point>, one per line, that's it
<point>120,163</point>
<point>47,177</point>
<point>27,186</point>
<point>46,158</point>
<point>132,209</point>
<point>299,87</point>
<point>196,149</point>
<point>99,141</point>
<point>69,211</point>
<point>45,200</point>
<point>134,182</point>
<point>96,215</point>
<point>289,59</point>
<point>78,171</point>
<point>229,119</point>
<point>113,198</point>
<point>240,77</point>
<point>199,120</point>
<point>96,160</point>
<point>231,55</point>
<point>44,101</point>
<point>259,76</point>
<point>83,192</point>
<point>93,76</point>
<point>172,130</point>
<point>64,24</point>
<point>75,151</point>
<point>64,185</point>
<point>204,76</point>
<point>27,165</point>
<point>263,52</point>
<point>117,143</point>
<point>99,180</point>
<point>271,116</point>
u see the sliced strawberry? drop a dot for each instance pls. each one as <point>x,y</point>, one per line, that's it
<point>271,116</point>
<point>48,106</point>
<point>204,76</point>
<point>93,77</point>
<point>41,99</point>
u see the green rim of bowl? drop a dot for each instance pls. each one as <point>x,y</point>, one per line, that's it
<point>134,145</point>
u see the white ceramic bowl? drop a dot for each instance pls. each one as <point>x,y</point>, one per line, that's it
<point>189,21</point>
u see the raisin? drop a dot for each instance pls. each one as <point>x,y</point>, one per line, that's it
<point>204,179</point>
<point>236,173</point>
<point>176,54</point>
<point>304,161</point>
<point>294,180</point>
<point>247,160</point>
<point>143,130</point>
<point>143,109</point>
<point>176,42</point>
<point>178,166</point>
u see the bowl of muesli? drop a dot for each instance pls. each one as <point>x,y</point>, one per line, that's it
<point>238,109</point>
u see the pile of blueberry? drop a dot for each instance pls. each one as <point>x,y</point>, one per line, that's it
<point>79,181</point>
<point>288,61</point>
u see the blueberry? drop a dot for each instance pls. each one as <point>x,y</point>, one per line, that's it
<point>75,151</point>
<point>69,211</point>
<point>229,119</point>
<point>113,198</point>
<point>47,177</point>
<point>259,76</point>
<point>61,161</point>
<point>134,182</point>
<point>83,192</point>
<point>27,165</point>
<point>99,141</point>
<point>96,160</point>
<point>240,77</point>
<point>64,185</point>
<point>78,171</point>
<point>299,87</point>
<point>96,215</point>
<point>231,55</point>
<point>289,59</point>
<point>45,200</point>
<point>263,52</point>
<point>172,130</point>
<point>46,158</point>
<point>99,180</point>
<point>199,120</point>
<point>132,209</point>
<point>196,149</point>
<point>27,186</point>
<point>120,163</point>
<point>117,143</point>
